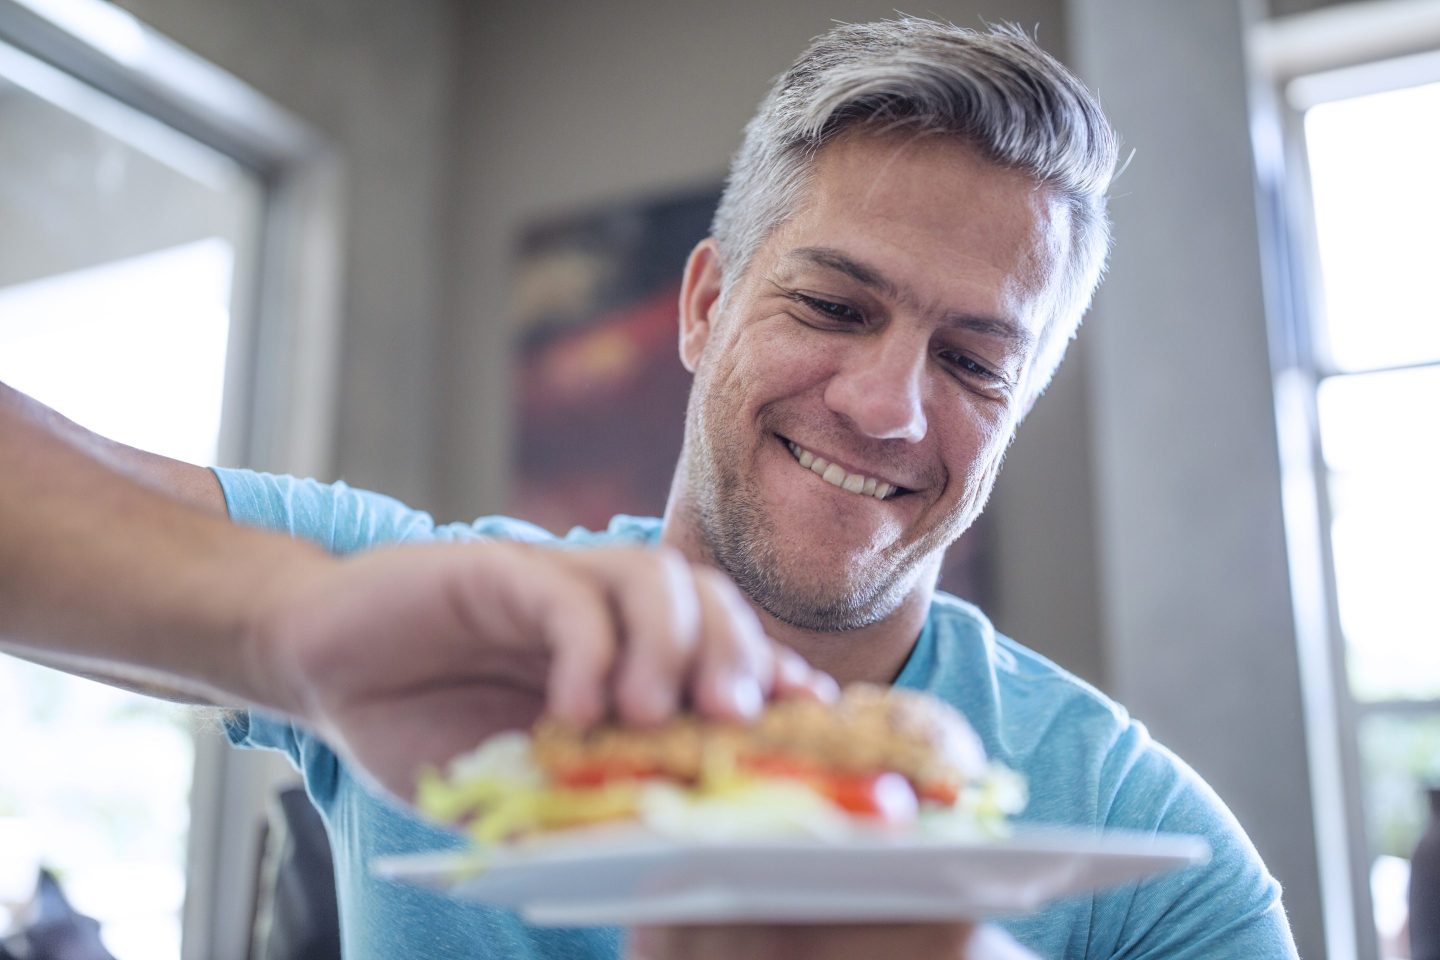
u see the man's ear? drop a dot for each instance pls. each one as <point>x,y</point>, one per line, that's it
<point>699,296</point>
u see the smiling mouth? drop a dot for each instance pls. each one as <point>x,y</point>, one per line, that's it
<point>836,475</point>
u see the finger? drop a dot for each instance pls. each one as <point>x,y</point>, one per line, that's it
<point>794,677</point>
<point>660,624</point>
<point>657,614</point>
<point>735,667</point>
<point>575,622</point>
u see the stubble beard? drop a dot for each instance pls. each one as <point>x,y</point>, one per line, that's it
<point>739,537</point>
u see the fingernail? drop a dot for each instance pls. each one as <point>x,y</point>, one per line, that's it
<point>792,671</point>
<point>745,695</point>
<point>826,687</point>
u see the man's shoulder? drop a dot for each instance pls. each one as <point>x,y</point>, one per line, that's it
<point>1032,714</point>
<point>960,646</point>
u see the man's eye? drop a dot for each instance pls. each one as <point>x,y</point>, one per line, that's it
<point>969,366</point>
<point>830,309</point>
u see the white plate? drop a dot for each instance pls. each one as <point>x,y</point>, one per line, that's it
<point>624,876</point>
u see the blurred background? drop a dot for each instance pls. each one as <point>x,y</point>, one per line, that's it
<point>402,244</point>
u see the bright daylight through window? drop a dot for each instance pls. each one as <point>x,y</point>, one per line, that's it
<point>1375,362</point>
<point>122,243</point>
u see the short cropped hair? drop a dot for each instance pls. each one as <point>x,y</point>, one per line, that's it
<point>995,90</point>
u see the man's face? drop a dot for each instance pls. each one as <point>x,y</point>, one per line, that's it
<point>884,330</point>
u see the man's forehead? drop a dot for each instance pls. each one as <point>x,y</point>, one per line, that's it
<point>928,224</point>
<point>939,196</point>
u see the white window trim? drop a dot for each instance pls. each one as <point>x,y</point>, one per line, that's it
<point>279,407</point>
<point>1299,62</point>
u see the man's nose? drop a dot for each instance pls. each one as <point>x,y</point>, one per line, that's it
<point>880,388</point>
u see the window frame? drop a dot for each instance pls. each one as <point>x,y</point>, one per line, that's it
<point>280,384</point>
<point>1300,62</point>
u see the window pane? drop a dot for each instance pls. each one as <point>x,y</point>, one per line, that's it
<point>1382,444</point>
<point>120,243</point>
<point>1372,168</point>
<point>1381,422</point>
<point>110,818</point>
<point>134,349</point>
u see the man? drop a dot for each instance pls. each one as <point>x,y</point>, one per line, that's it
<point>909,237</point>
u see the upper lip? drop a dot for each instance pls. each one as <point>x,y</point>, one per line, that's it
<point>849,466</point>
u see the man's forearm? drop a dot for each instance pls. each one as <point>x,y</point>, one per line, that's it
<point>97,569</point>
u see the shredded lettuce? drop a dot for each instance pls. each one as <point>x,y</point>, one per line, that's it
<point>982,810</point>
<point>744,809</point>
<point>500,794</point>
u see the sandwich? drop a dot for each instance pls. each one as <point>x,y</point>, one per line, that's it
<point>876,758</point>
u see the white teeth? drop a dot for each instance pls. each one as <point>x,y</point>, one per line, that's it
<point>835,474</point>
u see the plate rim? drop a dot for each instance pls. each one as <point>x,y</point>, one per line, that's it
<point>637,842</point>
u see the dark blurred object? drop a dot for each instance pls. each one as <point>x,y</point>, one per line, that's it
<point>601,401</point>
<point>1425,887</point>
<point>296,917</point>
<point>57,932</point>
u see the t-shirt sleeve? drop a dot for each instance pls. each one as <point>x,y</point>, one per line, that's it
<point>334,516</point>
<point>1226,909</point>
<point>342,519</point>
<point>320,766</point>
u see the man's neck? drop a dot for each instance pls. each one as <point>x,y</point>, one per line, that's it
<point>872,654</point>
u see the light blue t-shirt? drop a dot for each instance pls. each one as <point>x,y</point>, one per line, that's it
<point>1087,763</point>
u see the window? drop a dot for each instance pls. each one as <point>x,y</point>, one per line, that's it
<point>168,277</point>
<point>1376,362</point>
<point>124,244</point>
<point>1359,368</point>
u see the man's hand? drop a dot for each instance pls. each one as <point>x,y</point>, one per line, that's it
<point>898,941</point>
<point>406,656</point>
<point>399,657</point>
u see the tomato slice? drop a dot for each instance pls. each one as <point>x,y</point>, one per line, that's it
<point>940,794</point>
<point>780,765</point>
<point>598,773</point>
<point>885,796</point>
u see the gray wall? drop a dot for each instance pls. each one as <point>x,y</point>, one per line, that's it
<point>1196,607</point>
<point>376,77</point>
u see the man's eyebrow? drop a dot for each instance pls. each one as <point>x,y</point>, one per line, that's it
<point>835,260</point>
<point>867,276</point>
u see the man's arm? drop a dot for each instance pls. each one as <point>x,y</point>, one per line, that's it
<point>182,481</point>
<point>124,583</point>
<point>185,482</point>
<point>397,657</point>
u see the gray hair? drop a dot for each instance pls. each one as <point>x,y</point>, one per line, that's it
<point>1019,107</point>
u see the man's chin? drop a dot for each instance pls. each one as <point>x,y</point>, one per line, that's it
<point>835,605</point>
